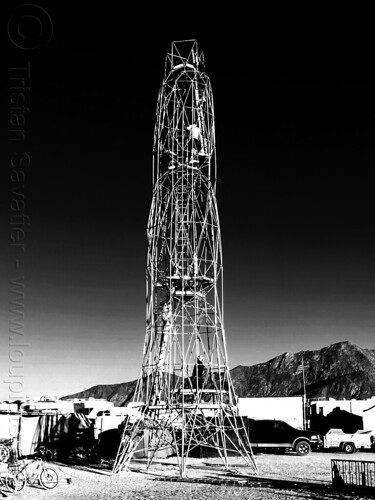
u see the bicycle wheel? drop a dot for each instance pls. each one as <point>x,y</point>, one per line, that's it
<point>48,455</point>
<point>48,478</point>
<point>44,453</point>
<point>4,453</point>
<point>15,482</point>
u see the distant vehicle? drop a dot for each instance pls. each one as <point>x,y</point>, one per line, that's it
<point>276,434</point>
<point>336,438</point>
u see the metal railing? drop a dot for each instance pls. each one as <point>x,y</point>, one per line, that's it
<point>353,473</point>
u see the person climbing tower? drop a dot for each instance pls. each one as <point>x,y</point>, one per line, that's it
<point>196,140</point>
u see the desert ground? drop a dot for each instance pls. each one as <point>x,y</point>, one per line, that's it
<point>280,477</point>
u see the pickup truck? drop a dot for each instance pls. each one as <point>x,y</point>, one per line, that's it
<point>278,435</point>
<point>336,438</point>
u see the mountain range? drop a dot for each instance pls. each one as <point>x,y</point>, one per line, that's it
<point>341,370</point>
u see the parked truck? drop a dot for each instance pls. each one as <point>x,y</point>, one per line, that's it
<point>278,435</point>
<point>336,438</point>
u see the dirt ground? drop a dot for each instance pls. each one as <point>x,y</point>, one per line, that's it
<point>280,477</point>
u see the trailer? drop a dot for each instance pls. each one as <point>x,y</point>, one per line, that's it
<point>336,438</point>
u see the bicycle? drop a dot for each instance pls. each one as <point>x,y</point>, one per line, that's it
<point>45,476</point>
<point>13,480</point>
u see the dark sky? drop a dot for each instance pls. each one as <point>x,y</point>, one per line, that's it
<point>294,108</point>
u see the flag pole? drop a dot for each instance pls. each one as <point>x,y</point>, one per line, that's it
<point>304,394</point>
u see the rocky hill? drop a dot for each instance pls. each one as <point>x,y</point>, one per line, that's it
<point>119,394</point>
<point>342,370</point>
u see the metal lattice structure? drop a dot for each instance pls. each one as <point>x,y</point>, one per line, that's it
<point>184,394</point>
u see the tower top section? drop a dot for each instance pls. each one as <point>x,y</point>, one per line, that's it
<point>184,138</point>
<point>185,55</point>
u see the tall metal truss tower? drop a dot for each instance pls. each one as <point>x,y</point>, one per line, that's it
<point>184,393</point>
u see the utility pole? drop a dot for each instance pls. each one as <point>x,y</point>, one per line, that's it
<point>301,369</point>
